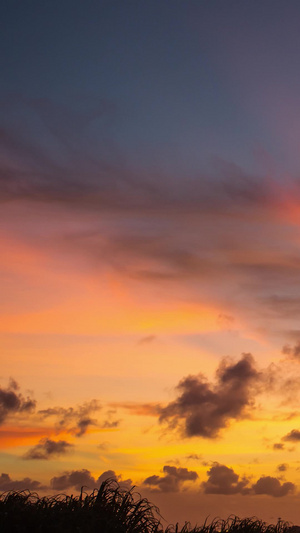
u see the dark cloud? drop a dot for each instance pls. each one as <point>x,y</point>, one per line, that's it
<point>223,480</point>
<point>194,457</point>
<point>292,351</point>
<point>76,479</point>
<point>83,424</point>
<point>84,478</point>
<point>12,401</point>
<point>172,479</point>
<point>292,436</point>
<point>273,487</point>
<point>76,420</point>
<point>6,483</point>
<point>278,446</point>
<point>108,474</point>
<point>47,448</point>
<point>104,445</point>
<point>203,408</point>
<point>282,467</point>
<point>110,424</point>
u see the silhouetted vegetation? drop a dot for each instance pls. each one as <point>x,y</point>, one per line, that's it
<point>107,510</point>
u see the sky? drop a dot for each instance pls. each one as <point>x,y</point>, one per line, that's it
<point>150,252</point>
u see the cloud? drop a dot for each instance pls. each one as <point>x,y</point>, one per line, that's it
<point>47,448</point>
<point>292,436</point>
<point>223,480</point>
<point>194,457</point>
<point>84,478</point>
<point>278,446</point>
<point>283,380</point>
<point>104,445</point>
<point>203,408</point>
<point>272,486</point>
<point>282,467</point>
<point>76,478</point>
<point>76,420</point>
<point>172,479</point>
<point>83,424</point>
<point>60,164</point>
<point>12,402</point>
<point>110,423</point>
<point>292,351</point>
<point>49,164</point>
<point>225,321</point>
<point>108,474</point>
<point>6,483</point>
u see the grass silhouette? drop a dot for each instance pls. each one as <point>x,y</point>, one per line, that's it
<point>108,509</point>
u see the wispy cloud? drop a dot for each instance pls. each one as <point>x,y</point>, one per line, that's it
<point>77,420</point>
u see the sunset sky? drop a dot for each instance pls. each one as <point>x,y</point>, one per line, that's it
<point>150,252</point>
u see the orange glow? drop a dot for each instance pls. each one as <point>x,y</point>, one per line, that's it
<point>11,437</point>
<point>86,316</point>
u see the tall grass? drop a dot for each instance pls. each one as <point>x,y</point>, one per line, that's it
<point>107,510</point>
<point>233,524</point>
